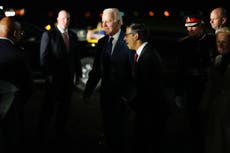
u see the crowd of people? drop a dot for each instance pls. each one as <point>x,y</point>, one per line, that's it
<point>130,71</point>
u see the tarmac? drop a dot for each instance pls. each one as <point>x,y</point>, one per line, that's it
<point>84,131</point>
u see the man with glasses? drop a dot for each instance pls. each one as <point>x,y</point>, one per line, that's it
<point>149,105</point>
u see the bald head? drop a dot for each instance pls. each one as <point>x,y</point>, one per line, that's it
<point>10,28</point>
<point>218,18</point>
<point>63,19</point>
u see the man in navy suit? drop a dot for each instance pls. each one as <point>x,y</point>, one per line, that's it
<point>149,104</point>
<point>14,69</point>
<point>60,61</point>
<point>114,68</point>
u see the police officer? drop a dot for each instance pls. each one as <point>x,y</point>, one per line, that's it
<point>196,55</point>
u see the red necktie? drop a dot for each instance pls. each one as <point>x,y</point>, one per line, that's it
<point>135,57</point>
<point>66,39</point>
<point>134,63</point>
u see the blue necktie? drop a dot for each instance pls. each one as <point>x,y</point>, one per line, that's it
<point>110,45</point>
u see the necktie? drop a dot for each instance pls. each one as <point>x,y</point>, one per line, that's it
<point>66,39</point>
<point>135,57</point>
<point>110,45</point>
<point>134,63</point>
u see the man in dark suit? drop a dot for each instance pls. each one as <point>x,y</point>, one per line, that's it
<point>114,67</point>
<point>196,55</point>
<point>149,105</point>
<point>14,69</point>
<point>60,61</point>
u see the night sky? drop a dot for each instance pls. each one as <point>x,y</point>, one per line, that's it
<point>37,10</point>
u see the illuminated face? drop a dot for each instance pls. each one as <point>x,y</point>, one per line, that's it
<point>223,43</point>
<point>195,31</point>
<point>130,39</point>
<point>63,20</point>
<point>109,24</point>
<point>215,20</point>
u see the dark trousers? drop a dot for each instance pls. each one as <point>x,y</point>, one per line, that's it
<point>55,108</point>
<point>115,120</point>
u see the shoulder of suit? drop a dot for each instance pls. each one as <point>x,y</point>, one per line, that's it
<point>103,39</point>
<point>71,32</point>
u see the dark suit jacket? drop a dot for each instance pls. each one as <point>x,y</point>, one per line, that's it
<point>56,60</point>
<point>14,68</point>
<point>148,76</point>
<point>115,71</point>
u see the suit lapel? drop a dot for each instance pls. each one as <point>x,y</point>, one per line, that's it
<point>142,53</point>
<point>118,44</point>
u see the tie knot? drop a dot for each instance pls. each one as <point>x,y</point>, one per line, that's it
<point>111,40</point>
<point>65,33</point>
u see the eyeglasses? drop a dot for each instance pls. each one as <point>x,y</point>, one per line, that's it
<point>129,34</point>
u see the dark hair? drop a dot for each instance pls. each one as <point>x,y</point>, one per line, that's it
<point>141,29</point>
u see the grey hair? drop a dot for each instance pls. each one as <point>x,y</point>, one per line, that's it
<point>223,30</point>
<point>116,13</point>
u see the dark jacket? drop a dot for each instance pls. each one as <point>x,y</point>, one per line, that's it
<point>56,60</point>
<point>14,68</point>
<point>115,71</point>
<point>148,77</point>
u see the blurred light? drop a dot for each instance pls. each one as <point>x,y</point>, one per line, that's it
<point>151,13</point>
<point>10,12</point>
<point>48,27</point>
<point>93,45</point>
<point>1,7</point>
<point>20,12</point>
<point>166,13</point>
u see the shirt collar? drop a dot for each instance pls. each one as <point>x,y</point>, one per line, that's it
<point>116,36</point>
<point>62,30</point>
<point>7,39</point>
<point>139,50</point>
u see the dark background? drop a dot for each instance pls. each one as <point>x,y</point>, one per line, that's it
<point>45,11</point>
<point>84,126</point>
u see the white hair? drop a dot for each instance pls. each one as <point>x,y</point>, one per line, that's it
<point>116,13</point>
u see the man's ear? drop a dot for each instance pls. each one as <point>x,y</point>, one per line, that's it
<point>224,20</point>
<point>136,35</point>
<point>15,34</point>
